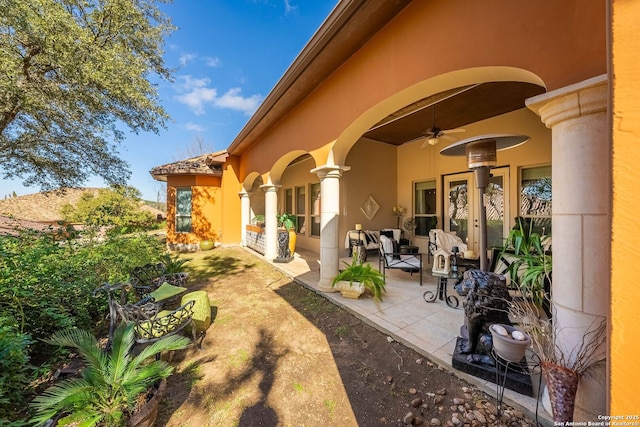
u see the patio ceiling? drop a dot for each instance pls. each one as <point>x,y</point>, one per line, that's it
<point>454,108</point>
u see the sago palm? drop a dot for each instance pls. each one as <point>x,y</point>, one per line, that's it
<point>111,383</point>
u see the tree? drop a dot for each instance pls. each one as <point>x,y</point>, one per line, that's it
<point>118,206</point>
<point>71,73</point>
<point>198,147</point>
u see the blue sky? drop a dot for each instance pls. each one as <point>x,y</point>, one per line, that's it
<point>228,55</point>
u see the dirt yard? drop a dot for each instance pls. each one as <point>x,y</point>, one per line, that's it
<point>279,354</point>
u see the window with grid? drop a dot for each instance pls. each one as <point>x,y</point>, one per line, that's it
<point>535,197</point>
<point>300,210</point>
<point>183,210</point>
<point>288,201</point>
<point>315,208</point>
<point>424,206</point>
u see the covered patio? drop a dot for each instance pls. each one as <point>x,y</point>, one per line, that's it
<point>430,329</point>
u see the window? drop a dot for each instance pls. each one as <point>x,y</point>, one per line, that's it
<point>424,209</point>
<point>183,210</point>
<point>535,197</point>
<point>288,201</point>
<point>314,202</point>
<point>300,209</point>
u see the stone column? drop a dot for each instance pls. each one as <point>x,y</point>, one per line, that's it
<point>581,218</point>
<point>329,214</point>
<point>245,215</point>
<point>270,221</point>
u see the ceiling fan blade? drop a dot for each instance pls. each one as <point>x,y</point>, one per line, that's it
<point>456,130</point>
<point>448,137</point>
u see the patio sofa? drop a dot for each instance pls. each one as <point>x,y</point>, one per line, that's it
<point>370,239</point>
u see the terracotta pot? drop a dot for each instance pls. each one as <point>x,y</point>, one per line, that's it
<point>562,384</point>
<point>146,416</point>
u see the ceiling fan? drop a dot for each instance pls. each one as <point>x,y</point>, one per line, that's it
<point>434,134</point>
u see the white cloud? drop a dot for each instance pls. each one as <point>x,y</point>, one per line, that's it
<point>212,61</point>
<point>288,7</point>
<point>232,99</point>
<point>196,94</point>
<point>186,57</point>
<point>194,126</point>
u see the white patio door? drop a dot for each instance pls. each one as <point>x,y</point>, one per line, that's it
<point>462,207</point>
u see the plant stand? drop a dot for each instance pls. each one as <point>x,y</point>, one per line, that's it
<point>502,375</point>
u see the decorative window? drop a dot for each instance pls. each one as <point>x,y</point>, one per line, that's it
<point>424,206</point>
<point>300,210</point>
<point>183,210</point>
<point>314,202</point>
<point>535,197</point>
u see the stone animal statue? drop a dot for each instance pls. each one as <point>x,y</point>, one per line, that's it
<point>487,302</point>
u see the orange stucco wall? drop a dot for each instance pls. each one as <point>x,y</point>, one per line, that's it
<point>560,42</point>
<point>625,292</point>
<point>230,206</point>
<point>206,208</point>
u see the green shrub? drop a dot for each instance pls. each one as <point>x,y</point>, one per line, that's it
<point>15,370</point>
<point>51,282</point>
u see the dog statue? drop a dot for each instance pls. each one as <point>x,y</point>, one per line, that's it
<point>487,302</point>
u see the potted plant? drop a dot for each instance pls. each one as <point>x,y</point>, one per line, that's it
<point>289,222</point>
<point>561,368</point>
<point>532,266</point>
<point>258,220</point>
<point>356,278</point>
<point>113,385</point>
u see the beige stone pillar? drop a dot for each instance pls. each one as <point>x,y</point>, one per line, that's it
<point>329,214</point>
<point>270,221</point>
<point>245,215</point>
<point>581,218</point>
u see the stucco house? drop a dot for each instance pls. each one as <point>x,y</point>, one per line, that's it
<point>343,138</point>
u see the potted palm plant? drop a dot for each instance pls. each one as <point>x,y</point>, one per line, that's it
<point>358,277</point>
<point>112,385</point>
<point>532,266</point>
<point>289,222</point>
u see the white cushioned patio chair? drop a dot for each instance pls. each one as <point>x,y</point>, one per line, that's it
<point>389,259</point>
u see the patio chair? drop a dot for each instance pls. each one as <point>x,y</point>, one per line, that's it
<point>152,323</point>
<point>389,259</point>
<point>144,279</point>
<point>440,239</point>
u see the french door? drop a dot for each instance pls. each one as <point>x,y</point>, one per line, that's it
<point>462,207</point>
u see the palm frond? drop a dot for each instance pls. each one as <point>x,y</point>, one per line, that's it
<point>119,360</point>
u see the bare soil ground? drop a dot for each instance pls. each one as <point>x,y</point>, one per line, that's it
<point>279,354</point>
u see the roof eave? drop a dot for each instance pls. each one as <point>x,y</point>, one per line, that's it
<point>335,45</point>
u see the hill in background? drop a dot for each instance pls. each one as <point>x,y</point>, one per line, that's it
<point>47,206</point>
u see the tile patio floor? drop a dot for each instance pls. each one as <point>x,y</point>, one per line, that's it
<point>429,328</point>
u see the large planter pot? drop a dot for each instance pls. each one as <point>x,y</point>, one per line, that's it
<point>562,385</point>
<point>508,348</point>
<point>350,289</point>
<point>292,241</point>
<point>206,245</point>
<point>146,416</point>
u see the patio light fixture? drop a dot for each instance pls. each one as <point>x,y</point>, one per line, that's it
<point>481,157</point>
